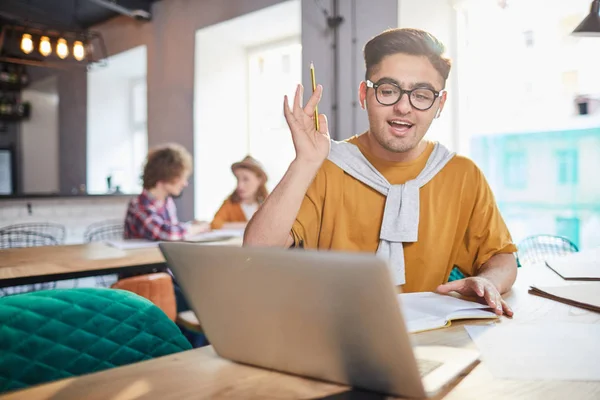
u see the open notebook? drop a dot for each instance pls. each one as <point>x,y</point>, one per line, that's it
<point>425,311</point>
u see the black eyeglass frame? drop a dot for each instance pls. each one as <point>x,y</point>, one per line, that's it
<point>374,86</point>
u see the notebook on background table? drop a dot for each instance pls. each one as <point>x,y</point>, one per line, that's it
<point>581,266</point>
<point>582,295</point>
<point>216,235</point>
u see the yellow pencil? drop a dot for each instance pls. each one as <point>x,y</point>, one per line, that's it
<point>314,87</point>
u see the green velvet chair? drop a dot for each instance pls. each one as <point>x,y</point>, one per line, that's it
<point>54,334</point>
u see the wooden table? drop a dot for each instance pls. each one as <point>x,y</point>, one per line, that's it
<point>200,373</point>
<point>52,263</point>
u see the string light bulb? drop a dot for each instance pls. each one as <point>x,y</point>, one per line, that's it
<point>45,46</point>
<point>26,43</point>
<point>62,50</point>
<point>78,50</point>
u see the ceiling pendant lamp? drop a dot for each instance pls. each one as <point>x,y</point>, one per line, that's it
<point>26,43</point>
<point>45,46</point>
<point>62,50</point>
<point>590,26</point>
<point>78,50</point>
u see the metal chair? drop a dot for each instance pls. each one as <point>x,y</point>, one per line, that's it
<point>536,249</point>
<point>48,229</point>
<point>100,231</point>
<point>105,230</point>
<point>17,239</point>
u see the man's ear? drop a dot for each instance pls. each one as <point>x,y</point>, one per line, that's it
<point>443,99</point>
<point>362,95</point>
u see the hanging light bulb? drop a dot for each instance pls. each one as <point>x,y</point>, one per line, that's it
<point>78,51</point>
<point>26,43</point>
<point>62,50</point>
<point>45,46</point>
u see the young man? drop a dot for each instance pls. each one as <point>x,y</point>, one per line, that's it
<point>152,215</point>
<point>388,190</point>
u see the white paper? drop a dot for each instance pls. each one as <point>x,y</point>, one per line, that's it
<point>548,351</point>
<point>427,310</point>
<point>129,244</point>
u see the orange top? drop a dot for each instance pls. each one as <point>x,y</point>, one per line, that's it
<point>229,212</point>
<point>460,224</point>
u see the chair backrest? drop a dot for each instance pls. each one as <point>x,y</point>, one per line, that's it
<point>536,249</point>
<point>61,333</point>
<point>105,230</point>
<point>55,231</point>
<point>156,287</point>
<point>14,239</point>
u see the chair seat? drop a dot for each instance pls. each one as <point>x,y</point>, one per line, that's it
<point>156,287</point>
<point>189,321</point>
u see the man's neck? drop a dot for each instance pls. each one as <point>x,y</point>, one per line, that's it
<point>378,151</point>
<point>158,193</point>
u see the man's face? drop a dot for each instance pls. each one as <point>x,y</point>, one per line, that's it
<point>399,128</point>
<point>176,186</point>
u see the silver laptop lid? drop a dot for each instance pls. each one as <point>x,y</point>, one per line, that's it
<point>326,315</point>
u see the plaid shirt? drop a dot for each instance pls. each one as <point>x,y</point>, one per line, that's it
<point>149,218</point>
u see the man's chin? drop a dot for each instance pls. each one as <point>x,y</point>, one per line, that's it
<point>177,195</point>
<point>400,145</point>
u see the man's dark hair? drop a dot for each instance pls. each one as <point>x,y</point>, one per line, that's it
<point>414,42</point>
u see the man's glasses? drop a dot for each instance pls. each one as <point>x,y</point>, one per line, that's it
<point>388,94</point>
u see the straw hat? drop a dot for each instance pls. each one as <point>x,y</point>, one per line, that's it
<point>252,164</point>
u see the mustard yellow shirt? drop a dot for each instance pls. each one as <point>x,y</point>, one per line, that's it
<point>229,212</point>
<point>459,224</point>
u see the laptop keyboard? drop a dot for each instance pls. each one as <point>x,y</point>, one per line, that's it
<point>427,366</point>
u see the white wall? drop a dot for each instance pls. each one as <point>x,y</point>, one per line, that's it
<point>110,141</point>
<point>39,138</point>
<point>220,100</point>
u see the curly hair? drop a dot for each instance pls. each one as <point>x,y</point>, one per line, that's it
<point>410,41</point>
<point>165,164</point>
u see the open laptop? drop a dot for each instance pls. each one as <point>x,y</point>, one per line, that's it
<point>324,315</point>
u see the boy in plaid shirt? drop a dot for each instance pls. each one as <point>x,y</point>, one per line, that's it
<point>152,215</point>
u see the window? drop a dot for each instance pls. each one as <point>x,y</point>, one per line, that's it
<point>515,170</point>
<point>567,162</point>
<point>273,71</point>
<point>116,123</point>
<point>515,70</point>
<point>139,126</point>
<point>240,81</point>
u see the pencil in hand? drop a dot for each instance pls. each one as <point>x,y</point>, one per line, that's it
<point>314,87</point>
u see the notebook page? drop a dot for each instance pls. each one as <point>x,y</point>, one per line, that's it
<point>428,310</point>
